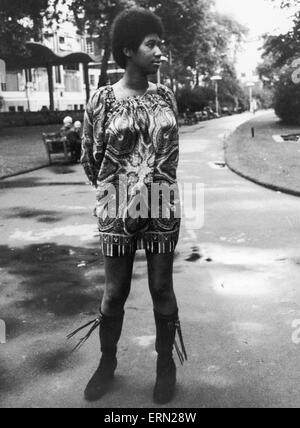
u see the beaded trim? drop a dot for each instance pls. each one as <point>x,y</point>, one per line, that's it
<point>153,242</point>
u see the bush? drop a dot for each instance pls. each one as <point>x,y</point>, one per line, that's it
<point>194,99</point>
<point>287,98</point>
<point>265,96</point>
<point>231,95</point>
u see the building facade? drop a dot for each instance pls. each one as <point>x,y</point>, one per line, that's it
<point>28,89</point>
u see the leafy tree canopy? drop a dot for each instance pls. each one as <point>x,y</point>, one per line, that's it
<point>284,47</point>
<point>19,21</point>
<point>195,35</point>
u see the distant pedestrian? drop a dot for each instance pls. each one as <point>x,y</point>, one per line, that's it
<point>254,106</point>
<point>74,140</point>
<point>67,125</point>
<point>131,130</point>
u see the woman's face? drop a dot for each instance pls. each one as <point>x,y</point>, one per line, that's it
<point>148,55</point>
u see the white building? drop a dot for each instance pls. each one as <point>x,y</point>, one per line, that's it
<point>28,90</point>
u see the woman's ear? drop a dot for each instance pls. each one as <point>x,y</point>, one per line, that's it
<point>127,52</point>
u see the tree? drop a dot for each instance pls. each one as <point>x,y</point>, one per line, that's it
<point>19,21</point>
<point>194,99</point>
<point>287,98</point>
<point>95,17</point>
<point>284,46</point>
<point>279,55</point>
<point>267,71</point>
<point>196,37</point>
<point>182,20</point>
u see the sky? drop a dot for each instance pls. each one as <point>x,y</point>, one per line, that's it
<point>260,16</point>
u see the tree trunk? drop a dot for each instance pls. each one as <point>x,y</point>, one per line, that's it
<point>103,79</point>
<point>197,78</point>
<point>86,81</point>
<point>51,87</point>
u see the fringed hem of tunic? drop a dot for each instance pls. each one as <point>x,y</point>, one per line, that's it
<point>155,243</point>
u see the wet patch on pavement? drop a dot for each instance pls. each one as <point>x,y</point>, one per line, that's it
<point>52,296</point>
<point>50,279</point>
<point>217,165</point>
<point>23,183</point>
<point>20,183</point>
<point>44,216</point>
<point>7,383</point>
<point>49,219</point>
<point>52,361</point>
<point>196,255</point>
<point>15,327</point>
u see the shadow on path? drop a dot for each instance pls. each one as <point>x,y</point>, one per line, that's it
<point>50,279</point>
<point>28,182</point>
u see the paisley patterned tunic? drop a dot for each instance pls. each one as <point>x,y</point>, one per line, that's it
<point>128,146</point>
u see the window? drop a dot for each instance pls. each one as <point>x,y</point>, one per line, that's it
<point>62,40</point>
<point>57,74</point>
<point>75,107</point>
<point>12,82</point>
<point>40,80</point>
<point>71,67</point>
<point>12,109</point>
<point>72,81</point>
<point>81,107</point>
<point>90,47</point>
<point>20,109</point>
<point>28,74</point>
<point>92,80</point>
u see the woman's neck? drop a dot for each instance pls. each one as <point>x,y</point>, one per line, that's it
<point>134,79</point>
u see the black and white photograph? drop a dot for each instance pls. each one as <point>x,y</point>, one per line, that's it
<point>149,206</point>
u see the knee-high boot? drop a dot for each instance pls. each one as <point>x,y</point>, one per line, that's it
<point>109,333</point>
<point>166,327</point>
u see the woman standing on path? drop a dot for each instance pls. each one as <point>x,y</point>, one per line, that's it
<point>130,142</point>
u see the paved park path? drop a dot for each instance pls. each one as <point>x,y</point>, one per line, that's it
<point>237,281</point>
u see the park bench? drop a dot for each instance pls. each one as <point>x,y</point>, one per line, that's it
<point>55,144</point>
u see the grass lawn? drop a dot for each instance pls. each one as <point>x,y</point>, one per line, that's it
<point>22,149</point>
<point>261,159</point>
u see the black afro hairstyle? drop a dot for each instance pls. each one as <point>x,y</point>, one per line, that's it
<point>129,30</point>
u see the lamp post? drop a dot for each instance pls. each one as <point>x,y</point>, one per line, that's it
<point>2,80</point>
<point>250,85</point>
<point>217,79</point>
<point>163,59</point>
<point>2,74</point>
